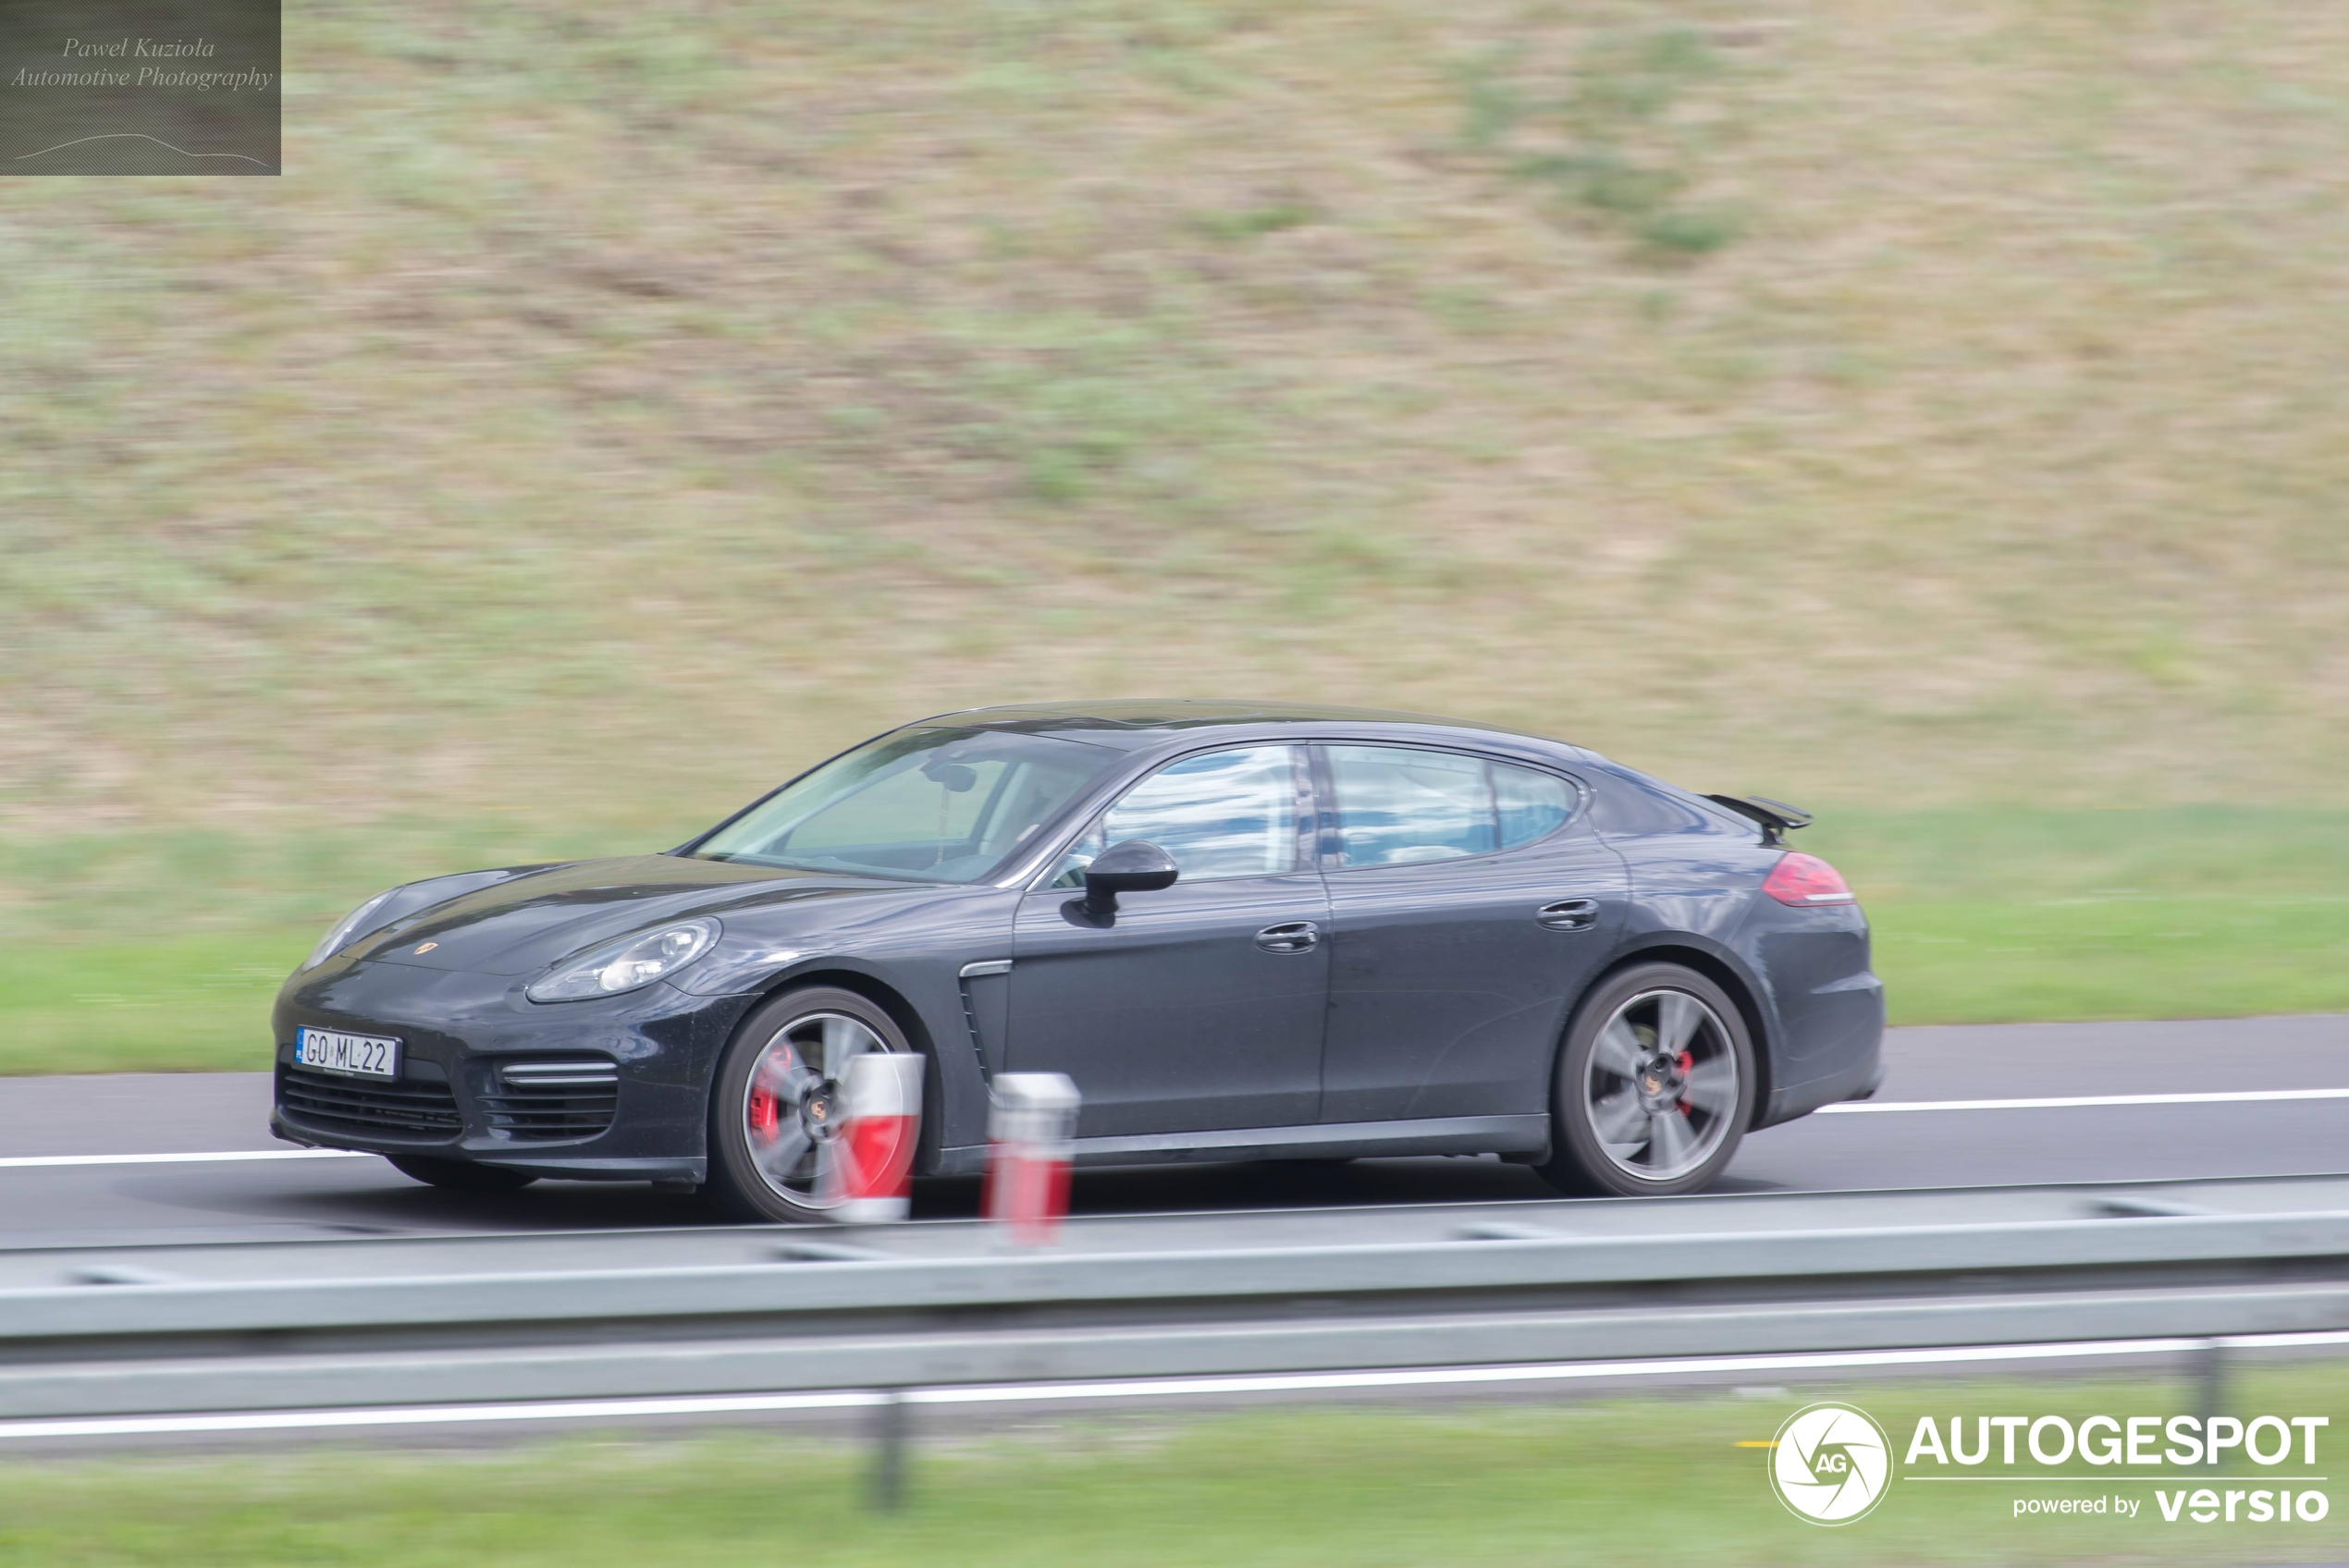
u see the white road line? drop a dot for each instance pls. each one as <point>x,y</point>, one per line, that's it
<point>2229,1097</point>
<point>29,1161</point>
<point>1141,1388</point>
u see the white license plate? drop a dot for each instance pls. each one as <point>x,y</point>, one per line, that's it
<point>363,1056</point>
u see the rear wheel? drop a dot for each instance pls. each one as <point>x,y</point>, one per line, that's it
<point>776,1108</point>
<point>458,1175</point>
<point>1654,1085</point>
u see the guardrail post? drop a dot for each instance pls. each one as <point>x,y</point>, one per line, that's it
<point>889,1452</point>
<point>2210,1389</point>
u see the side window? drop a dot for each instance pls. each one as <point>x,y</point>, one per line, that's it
<point>1398,805</point>
<point>1226,813</point>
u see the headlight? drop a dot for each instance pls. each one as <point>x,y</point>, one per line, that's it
<point>349,925</point>
<point>627,963</point>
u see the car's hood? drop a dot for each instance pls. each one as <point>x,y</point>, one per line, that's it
<point>522,924</point>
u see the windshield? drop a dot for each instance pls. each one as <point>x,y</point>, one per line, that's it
<point>934,806</point>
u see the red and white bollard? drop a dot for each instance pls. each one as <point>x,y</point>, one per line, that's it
<point>884,1121</point>
<point>1031,1133</point>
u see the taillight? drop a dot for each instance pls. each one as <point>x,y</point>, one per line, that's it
<point>1806,879</point>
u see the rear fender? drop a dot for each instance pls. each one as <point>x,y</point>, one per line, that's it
<point>1726,968</point>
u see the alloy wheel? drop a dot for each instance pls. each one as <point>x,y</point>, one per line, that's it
<point>1662,1086</point>
<point>794,1108</point>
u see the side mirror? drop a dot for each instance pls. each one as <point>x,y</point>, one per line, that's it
<point>1135,866</point>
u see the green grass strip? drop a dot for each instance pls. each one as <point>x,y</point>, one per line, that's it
<point>1646,1483</point>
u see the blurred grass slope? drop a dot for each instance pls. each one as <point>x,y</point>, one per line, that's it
<point>616,407</point>
<point>1649,1482</point>
<point>616,404</point>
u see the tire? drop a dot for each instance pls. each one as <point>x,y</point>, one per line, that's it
<point>1614,1075</point>
<point>458,1175</point>
<point>758,1171</point>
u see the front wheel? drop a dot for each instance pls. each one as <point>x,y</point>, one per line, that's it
<point>777,1109</point>
<point>1654,1085</point>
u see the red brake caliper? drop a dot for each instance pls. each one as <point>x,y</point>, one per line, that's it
<point>1687,1063</point>
<point>766,1109</point>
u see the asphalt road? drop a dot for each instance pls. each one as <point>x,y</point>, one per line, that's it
<point>2277,1121</point>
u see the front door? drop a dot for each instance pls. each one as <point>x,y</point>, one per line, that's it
<point>1199,1006</point>
<point>1471,903</point>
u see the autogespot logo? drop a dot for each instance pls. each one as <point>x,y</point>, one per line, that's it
<point>1830,1464</point>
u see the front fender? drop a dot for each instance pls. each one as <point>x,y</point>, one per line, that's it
<point>928,1003</point>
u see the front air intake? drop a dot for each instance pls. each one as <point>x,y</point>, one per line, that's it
<point>543,1101</point>
<point>405,1109</point>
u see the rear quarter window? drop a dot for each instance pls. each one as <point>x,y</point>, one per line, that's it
<point>1532,805</point>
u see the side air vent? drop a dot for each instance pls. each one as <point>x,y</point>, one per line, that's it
<point>541,1101</point>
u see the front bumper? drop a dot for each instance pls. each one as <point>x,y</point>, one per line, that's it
<point>452,1101</point>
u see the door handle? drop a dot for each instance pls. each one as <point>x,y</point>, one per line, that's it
<point>1570,915</point>
<point>1296,937</point>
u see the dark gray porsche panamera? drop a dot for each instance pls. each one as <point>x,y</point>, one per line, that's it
<point>1246,931</point>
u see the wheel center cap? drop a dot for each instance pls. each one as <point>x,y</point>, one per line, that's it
<point>818,1110</point>
<point>1660,1083</point>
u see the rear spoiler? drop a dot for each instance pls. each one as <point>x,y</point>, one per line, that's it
<point>1776,817</point>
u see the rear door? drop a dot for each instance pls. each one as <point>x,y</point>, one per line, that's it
<point>1470,903</point>
<point>1201,1006</point>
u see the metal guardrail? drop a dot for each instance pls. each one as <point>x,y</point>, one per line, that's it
<point>278,1325</point>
